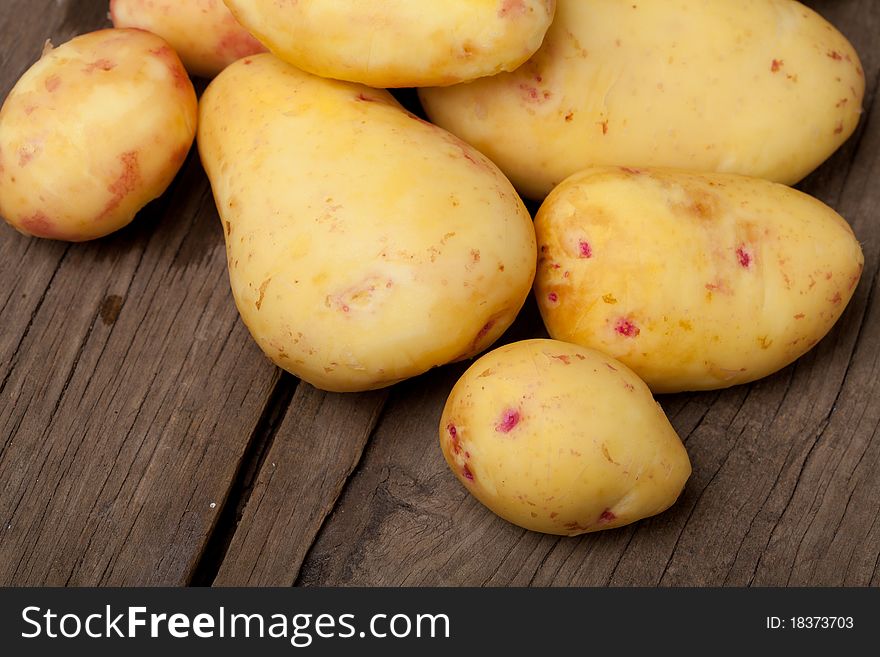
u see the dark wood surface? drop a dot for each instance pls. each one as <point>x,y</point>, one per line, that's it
<point>144,439</point>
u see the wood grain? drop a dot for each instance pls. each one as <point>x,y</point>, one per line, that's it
<point>129,387</point>
<point>313,453</point>
<point>786,470</point>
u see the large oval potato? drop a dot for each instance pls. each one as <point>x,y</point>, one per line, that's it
<point>399,43</point>
<point>365,245</point>
<point>92,132</point>
<point>561,439</point>
<point>695,281</point>
<point>765,88</point>
<point>204,33</point>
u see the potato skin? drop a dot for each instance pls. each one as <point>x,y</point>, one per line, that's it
<point>399,43</point>
<point>92,132</point>
<point>705,85</point>
<point>204,33</point>
<point>695,281</point>
<point>365,245</point>
<point>561,439</point>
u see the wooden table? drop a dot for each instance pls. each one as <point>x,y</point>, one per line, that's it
<point>145,440</point>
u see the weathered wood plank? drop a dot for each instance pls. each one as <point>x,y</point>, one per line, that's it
<point>318,445</point>
<point>129,389</point>
<point>785,470</point>
<point>129,407</point>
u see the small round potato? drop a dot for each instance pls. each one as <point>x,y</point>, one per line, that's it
<point>696,281</point>
<point>765,88</point>
<point>92,132</point>
<point>561,439</point>
<point>399,43</point>
<point>203,32</point>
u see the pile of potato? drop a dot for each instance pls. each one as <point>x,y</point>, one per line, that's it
<point>367,246</point>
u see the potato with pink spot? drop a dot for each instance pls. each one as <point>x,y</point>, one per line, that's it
<point>92,132</point>
<point>707,85</point>
<point>399,43</point>
<point>204,33</point>
<point>561,439</point>
<point>696,281</point>
<point>365,245</point>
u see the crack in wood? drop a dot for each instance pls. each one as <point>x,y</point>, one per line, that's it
<point>221,535</point>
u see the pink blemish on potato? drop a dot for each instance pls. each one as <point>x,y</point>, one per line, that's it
<point>775,65</point>
<point>604,125</point>
<point>483,332</point>
<point>836,56</point>
<point>30,109</point>
<point>585,249</point>
<point>630,170</point>
<point>179,155</point>
<point>172,62</point>
<point>553,297</point>
<point>38,225</point>
<point>512,8</point>
<point>553,515</point>
<point>838,128</point>
<point>611,367</point>
<point>744,257</point>
<point>52,83</point>
<point>509,419</point>
<point>125,184</point>
<point>533,94</point>
<point>842,102</point>
<point>466,471</point>
<point>837,298</point>
<point>237,44</point>
<point>606,516</point>
<point>799,316</point>
<point>627,328</point>
<point>565,359</point>
<point>453,438</point>
<point>99,64</point>
<point>366,99</point>
<point>25,155</point>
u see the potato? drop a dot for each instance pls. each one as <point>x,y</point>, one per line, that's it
<point>765,88</point>
<point>399,43</point>
<point>695,281</point>
<point>92,132</point>
<point>365,246</point>
<point>561,439</point>
<point>203,32</point>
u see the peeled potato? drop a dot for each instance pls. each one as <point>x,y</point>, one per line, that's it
<point>203,32</point>
<point>695,281</point>
<point>561,439</point>
<point>399,43</point>
<point>764,88</point>
<point>92,132</point>
<point>365,246</point>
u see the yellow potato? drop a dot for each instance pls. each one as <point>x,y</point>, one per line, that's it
<point>695,281</point>
<point>561,439</point>
<point>92,132</point>
<point>203,32</point>
<point>765,88</point>
<point>399,43</point>
<point>365,245</point>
